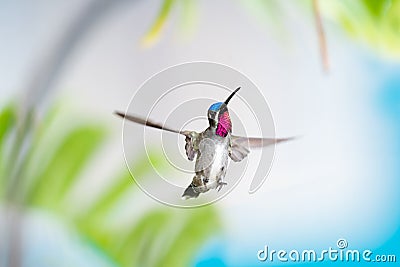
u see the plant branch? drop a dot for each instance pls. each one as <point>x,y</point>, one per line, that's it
<point>321,35</point>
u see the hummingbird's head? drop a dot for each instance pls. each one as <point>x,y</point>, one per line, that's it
<point>218,116</point>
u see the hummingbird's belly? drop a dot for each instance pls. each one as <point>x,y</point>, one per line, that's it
<point>218,165</point>
<point>210,167</point>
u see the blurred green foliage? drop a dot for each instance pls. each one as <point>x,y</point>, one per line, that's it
<point>187,17</point>
<point>154,33</point>
<point>7,123</point>
<point>374,22</point>
<point>50,170</point>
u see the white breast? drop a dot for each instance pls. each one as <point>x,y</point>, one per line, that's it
<point>219,161</point>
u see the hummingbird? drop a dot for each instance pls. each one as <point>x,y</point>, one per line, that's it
<point>212,148</point>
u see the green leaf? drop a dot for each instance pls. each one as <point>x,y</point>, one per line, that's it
<point>173,235</point>
<point>199,225</point>
<point>144,165</point>
<point>155,232</point>
<point>154,33</point>
<point>8,118</point>
<point>132,246</point>
<point>38,149</point>
<point>69,159</point>
<point>162,237</point>
<point>375,23</point>
<point>136,248</point>
<point>7,121</point>
<point>376,8</point>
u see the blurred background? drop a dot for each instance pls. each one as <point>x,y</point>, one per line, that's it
<point>330,71</point>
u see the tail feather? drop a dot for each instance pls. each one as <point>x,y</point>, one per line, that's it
<point>190,193</point>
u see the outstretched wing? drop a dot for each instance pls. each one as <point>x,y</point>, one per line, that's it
<point>147,122</point>
<point>240,146</point>
<point>191,139</point>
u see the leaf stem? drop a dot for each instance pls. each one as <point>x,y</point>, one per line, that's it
<point>321,35</point>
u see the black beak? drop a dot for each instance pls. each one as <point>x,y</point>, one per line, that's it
<point>229,97</point>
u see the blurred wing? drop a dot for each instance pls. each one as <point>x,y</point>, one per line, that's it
<point>238,150</point>
<point>191,146</point>
<point>147,123</point>
<point>240,146</point>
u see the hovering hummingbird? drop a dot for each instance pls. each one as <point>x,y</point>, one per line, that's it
<point>212,147</point>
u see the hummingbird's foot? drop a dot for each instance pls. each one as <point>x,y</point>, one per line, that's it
<point>220,185</point>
